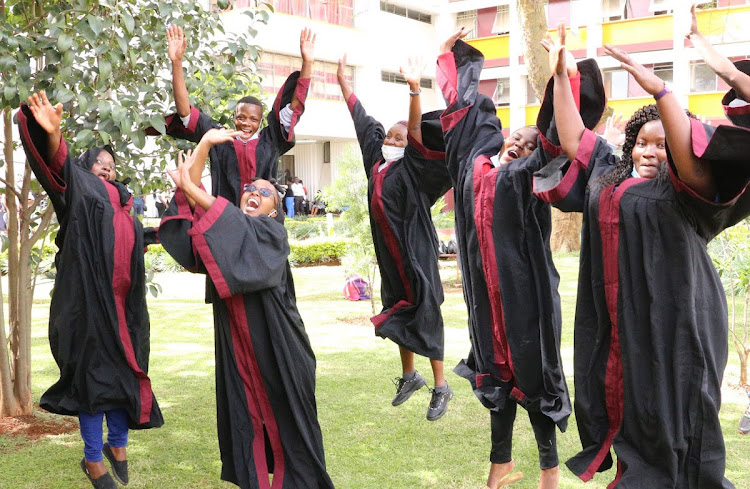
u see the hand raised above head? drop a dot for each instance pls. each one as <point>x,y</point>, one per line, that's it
<point>176,42</point>
<point>447,45</point>
<point>560,59</point>
<point>412,73</point>
<point>341,71</point>
<point>614,130</point>
<point>46,115</point>
<point>218,136</point>
<point>181,175</point>
<point>646,78</point>
<point>693,23</point>
<point>307,44</point>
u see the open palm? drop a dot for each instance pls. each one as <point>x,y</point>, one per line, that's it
<point>176,42</point>
<point>412,73</point>
<point>46,115</point>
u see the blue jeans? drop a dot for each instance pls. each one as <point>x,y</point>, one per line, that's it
<point>289,202</point>
<point>92,432</point>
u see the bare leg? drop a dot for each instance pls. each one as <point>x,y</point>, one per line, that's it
<point>407,360</point>
<point>550,478</point>
<point>120,453</point>
<point>437,371</point>
<point>500,475</point>
<point>96,469</point>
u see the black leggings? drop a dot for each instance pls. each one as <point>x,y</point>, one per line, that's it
<point>502,436</point>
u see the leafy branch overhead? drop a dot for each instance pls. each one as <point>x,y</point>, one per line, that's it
<point>107,62</point>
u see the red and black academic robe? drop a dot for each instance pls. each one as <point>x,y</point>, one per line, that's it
<point>502,229</point>
<point>99,325</point>
<point>399,199</point>
<point>235,163</point>
<point>265,368</point>
<point>651,316</point>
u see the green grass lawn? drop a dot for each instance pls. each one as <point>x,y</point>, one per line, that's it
<point>369,443</point>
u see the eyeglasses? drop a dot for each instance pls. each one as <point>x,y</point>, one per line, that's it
<point>99,162</point>
<point>251,187</point>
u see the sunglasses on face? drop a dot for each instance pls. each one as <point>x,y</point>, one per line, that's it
<point>99,162</point>
<point>251,187</point>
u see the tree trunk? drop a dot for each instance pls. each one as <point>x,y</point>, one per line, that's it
<point>566,227</point>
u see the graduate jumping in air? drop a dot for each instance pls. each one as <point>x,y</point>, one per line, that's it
<point>406,175</point>
<point>265,368</point>
<point>651,318</point>
<point>510,281</point>
<point>99,325</point>
<point>253,152</point>
<point>737,75</point>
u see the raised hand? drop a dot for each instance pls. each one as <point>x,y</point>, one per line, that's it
<point>176,174</point>
<point>47,115</point>
<point>693,23</point>
<point>413,72</point>
<point>218,136</point>
<point>307,45</point>
<point>614,130</point>
<point>341,71</point>
<point>645,78</point>
<point>560,59</point>
<point>176,43</point>
<point>447,45</point>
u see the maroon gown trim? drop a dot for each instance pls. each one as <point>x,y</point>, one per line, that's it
<point>121,281</point>
<point>246,158</point>
<point>300,90</point>
<point>580,163</point>
<point>428,154</point>
<point>378,320</point>
<point>351,102</point>
<point>378,213</point>
<point>484,200</point>
<point>447,78</point>
<point>53,169</point>
<point>609,228</point>
<point>258,404</point>
<point>201,246</point>
<point>743,110</point>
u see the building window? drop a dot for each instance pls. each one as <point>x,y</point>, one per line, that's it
<point>702,78</point>
<point>614,10</point>
<point>501,97</point>
<point>275,68</point>
<point>660,7</point>
<point>405,12</point>
<point>664,71</point>
<point>468,20</point>
<point>616,84</point>
<point>390,77</point>
<point>339,12</point>
<point>502,20</point>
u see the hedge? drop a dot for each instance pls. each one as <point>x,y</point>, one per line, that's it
<point>318,251</point>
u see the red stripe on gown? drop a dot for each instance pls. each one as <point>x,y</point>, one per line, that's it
<point>390,238</point>
<point>609,228</point>
<point>121,280</point>
<point>257,398</point>
<point>484,202</point>
<point>246,159</point>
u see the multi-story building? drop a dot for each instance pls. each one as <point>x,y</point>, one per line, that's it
<point>652,31</point>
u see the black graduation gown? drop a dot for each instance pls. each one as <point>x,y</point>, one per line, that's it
<point>651,317</point>
<point>503,230</point>
<point>399,199</point>
<point>235,163</point>
<point>99,325</point>
<point>265,367</point>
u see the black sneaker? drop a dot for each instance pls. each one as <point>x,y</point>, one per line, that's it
<point>119,468</point>
<point>405,388</point>
<point>439,403</point>
<point>102,482</point>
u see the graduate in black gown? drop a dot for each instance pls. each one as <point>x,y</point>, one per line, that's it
<point>406,175</point>
<point>651,319</point>
<point>265,367</point>
<point>99,325</point>
<point>510,281</point>
<point>254,152</point>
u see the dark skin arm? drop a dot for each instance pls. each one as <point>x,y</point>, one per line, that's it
<point>692,170</point>
<point>177,42</point>
<point>307,50</point>
<point>182,177</point>
<point>413,75</point>
<point>49,118</point>
<point>346,87</point>
<point>717,62</point>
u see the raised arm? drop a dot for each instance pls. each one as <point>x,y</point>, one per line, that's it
<point>413,75</point>
<point>719,63</point>
<point>694,172</point>
<point>346,87</point>
<point>307,50</point>
<point>568,120</point>
<point>48,117</point>
<point>176,42</point>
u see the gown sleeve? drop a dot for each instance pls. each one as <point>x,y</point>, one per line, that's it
<point>725,148</point>
<point>52,171</point>
<point>426,160</point>
<point>470,124</point>
<point>198,125</point>
<point>275,140</point>
<point>370,133</point>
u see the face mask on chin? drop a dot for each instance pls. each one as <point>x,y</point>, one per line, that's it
<point>392,153</point>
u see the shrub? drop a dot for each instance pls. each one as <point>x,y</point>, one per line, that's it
<point>158,260</point>
<point>318,251</point>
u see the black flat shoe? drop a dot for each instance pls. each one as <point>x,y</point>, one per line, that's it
<point>103,482</point>
<point>119,469</point>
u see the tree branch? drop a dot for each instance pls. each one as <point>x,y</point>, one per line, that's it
<point>8,186</point>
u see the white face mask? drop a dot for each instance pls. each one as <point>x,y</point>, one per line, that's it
<point>392,153</point>
<point>634,173</point>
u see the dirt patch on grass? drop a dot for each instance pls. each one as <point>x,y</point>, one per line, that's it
<point>357,320</point>
<point>37,425</point>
